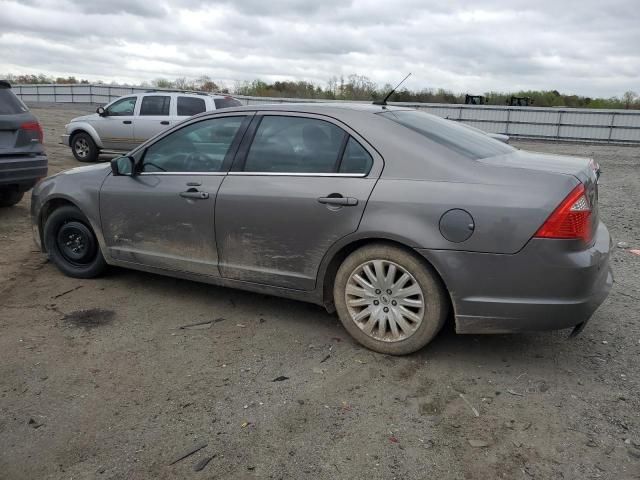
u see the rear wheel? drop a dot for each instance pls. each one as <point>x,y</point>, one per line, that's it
<point>84,148</point>
<point>389,300</point>
<point>72,245</point>
<point>10,196</point>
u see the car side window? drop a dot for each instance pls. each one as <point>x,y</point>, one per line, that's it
<point>294,145</point>
<point>122,107</point>
<point>155,105</point>
<point>188,106</point>
<point>355,158</point>
<point>198,147</point>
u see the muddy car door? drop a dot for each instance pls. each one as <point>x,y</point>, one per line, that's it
<point>300,185</point>
<point>163,215</point>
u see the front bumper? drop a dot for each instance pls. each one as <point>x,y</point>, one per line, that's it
<point>22,171</point>
<point>64,139</point>
<point>545,286</point>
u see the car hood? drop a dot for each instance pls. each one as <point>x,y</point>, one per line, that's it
<point>580,167</point>
<point>84,118</point>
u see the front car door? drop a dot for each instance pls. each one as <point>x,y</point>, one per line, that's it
<point>299,184</point>
<point>163,216</point>
<point>153,117</point>
<point>115,128</point>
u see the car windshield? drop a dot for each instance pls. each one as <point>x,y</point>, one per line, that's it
<point>465,141</point>
<point>10,104</point>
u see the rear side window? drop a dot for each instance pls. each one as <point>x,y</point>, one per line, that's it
<point>122,107</point>
<point>188,106</point>
<point>465,141</point>
<point>355,159</point>
<point>10,104</point>
<point>226,102</point>
<point>155,105</point>
<point>295,145</point>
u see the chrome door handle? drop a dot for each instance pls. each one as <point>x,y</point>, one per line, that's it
<point>343,201</point>
<point>193,193</point>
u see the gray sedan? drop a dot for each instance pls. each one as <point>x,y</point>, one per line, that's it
<point>393,217</point>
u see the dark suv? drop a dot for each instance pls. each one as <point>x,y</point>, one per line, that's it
<point>22,157</point>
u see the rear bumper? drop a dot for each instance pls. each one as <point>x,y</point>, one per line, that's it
<point>22,171</point>
<point>545,286</point>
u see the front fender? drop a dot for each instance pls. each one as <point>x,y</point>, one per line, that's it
<point>75,127</point>
<point>79,187</point>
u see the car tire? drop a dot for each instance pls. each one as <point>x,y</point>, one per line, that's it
<point>84,148</point>
<point>10,196</point>
<point>396,323</point>
<point>71,244</point>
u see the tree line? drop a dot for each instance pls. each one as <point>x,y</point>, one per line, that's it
<point>357,87</point>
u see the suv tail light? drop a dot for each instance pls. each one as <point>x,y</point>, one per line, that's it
<point>34,127</point>
<point>571,219</point>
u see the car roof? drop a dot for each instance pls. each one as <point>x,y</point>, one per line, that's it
<point>320,108</point>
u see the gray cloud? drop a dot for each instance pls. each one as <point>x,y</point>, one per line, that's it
<point>464,45</point>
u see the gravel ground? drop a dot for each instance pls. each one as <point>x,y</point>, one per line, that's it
<point>98,380</point>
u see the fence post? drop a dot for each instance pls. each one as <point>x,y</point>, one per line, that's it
<point>613,116</point>
<point>508,119</point>
<point>559,124</point>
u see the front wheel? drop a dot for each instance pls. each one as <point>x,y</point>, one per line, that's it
<point>84,148</point>
<point>389,300</point>
<point>72,245</point>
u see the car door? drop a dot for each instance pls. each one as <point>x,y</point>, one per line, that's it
<point>163,216</point>
<point>289,198</point>
<point>153,116</point>
<point>115,128</point>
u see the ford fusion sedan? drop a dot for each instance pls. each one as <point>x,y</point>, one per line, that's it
<point>396,219</point>
<point>130,120</point>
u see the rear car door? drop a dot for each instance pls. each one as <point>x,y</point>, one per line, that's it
<point>153,117</point>
<point>116,127</point>
<point>163,216</point>
<point>300,183</point>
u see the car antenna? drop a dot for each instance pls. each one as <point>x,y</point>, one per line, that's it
<point>384,100</point>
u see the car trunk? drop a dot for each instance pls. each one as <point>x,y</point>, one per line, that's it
<point>15,140</point>
<point>582,168</point>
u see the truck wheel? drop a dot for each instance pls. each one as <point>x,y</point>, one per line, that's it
<point>10,196</point>
<point>389,299</point>
<point>84,148</point>
<point>72,245</point>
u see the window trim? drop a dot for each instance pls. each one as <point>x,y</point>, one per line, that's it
<point>228,158</point>
<point>243,152</point>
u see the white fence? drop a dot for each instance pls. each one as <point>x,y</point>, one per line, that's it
<point>567,124</point>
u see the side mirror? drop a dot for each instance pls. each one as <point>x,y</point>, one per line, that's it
<point>123,166</point>
<point>101,111</point>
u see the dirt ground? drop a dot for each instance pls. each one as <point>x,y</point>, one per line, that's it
<point>98,380</point>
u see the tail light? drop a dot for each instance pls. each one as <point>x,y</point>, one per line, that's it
<point>34,127</point>
<point>571,220</point>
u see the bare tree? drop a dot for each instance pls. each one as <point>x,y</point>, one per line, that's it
<point>629,98</point>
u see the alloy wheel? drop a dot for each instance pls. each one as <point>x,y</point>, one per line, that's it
<point>384,300</point>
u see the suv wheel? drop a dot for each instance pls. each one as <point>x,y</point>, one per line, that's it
<point>389,300</point>
<point>10,196</point>
<point>84,148</point>
<point>72,245</point>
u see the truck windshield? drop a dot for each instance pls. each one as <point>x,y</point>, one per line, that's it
<point>448,133</point>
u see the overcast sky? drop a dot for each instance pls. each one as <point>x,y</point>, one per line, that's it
<point>587,47</point>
